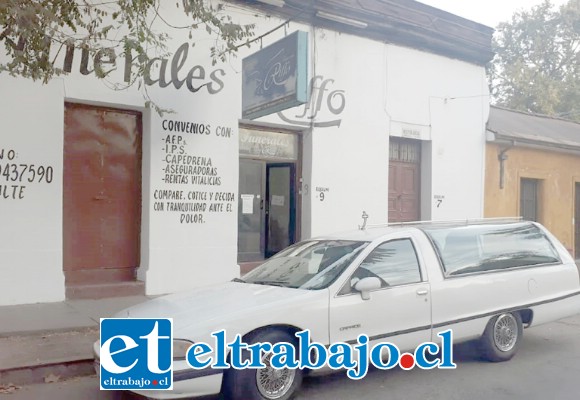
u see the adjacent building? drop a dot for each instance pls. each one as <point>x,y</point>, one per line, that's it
<point>99,195</point>
<point>533,171</point>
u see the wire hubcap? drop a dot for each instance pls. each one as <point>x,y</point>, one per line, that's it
<point>505,332</point>
<point>274,383</point>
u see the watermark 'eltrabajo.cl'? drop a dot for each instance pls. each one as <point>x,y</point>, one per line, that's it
<point>355,358</point>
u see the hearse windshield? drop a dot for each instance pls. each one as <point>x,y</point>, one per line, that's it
<point>312,264</point>
<point>481,248</point>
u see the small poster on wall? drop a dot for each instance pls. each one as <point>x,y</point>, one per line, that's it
<point>247,203</point>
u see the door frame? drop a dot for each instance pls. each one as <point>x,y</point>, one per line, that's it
<point>419,147</point>
<point>250,257</point>
<point>73,278</point>
<point>292,216</point>
<point>537,188</point>
<point>298,184</point>
<point>576,213</point>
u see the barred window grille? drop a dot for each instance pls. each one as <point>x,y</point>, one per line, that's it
<point>404,151</point>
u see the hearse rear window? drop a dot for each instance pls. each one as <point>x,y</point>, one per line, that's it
<point>480,248</point>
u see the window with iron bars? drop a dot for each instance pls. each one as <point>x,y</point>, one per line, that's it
<point>404,151</point>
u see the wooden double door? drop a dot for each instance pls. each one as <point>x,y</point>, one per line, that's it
<point>404,180</point>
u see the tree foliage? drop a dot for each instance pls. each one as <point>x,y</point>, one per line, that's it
<point>36,32</point>
<point>537,64</point>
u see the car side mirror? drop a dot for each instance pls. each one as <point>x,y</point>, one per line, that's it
<point>366,285</point>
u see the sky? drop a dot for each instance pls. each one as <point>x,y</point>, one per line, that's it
<point>487,12</point>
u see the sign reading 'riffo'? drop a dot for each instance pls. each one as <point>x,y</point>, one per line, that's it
<point>275,78</point>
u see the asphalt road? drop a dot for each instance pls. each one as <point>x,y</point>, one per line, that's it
<point>547,367</point>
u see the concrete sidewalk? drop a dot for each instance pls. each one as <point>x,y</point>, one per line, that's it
<point>51,341</point>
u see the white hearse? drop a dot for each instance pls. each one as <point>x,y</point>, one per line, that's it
<point>484,280</point>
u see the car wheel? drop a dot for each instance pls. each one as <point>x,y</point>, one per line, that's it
<point>265,383</point>
<point>502,337</point>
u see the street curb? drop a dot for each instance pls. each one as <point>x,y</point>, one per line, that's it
<point>39,357</point>
<point>48,373</point>
<point>47,332</point>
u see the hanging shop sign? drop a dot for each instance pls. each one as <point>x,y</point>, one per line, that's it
<point>275,78</point>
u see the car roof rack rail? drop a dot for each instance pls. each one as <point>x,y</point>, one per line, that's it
<point>469,221</point>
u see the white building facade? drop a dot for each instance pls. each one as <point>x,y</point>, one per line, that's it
<point>98,191</point>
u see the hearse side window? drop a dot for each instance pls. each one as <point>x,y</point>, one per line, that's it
<point>480,248</point>
<point>394,262</point>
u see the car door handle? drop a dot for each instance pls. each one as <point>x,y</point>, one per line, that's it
<point>422,292</point>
